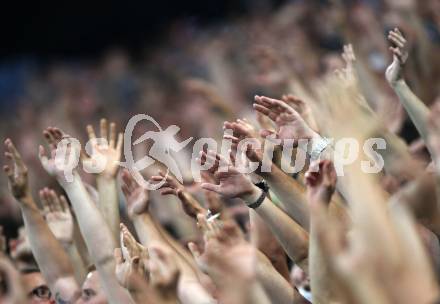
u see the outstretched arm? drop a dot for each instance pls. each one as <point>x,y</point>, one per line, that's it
<point>60,221</point>
<point>106,150</point>
<point>417,110</point>
<point>100,242</point>
<point>172,186</point>
<point>51,258</point>
<point>290,234</point>
<point>230,261</point>
<point>290,193</point>
<point>150,232</point>
<point>321,184</point>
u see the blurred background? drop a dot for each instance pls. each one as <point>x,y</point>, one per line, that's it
<point>192,63</point>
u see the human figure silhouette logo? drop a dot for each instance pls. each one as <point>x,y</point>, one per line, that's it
<point>164,142</point>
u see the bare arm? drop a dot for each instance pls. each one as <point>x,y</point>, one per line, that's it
<point>100,242</point>
<point>291,236</point>
<point>321,184</point>
<point>417,110</point>
<point>276,286</point>
<point>266,242</point>
<point>60,221</point>
<point>48,252</point>
<point>190,290</point>
<point>106,149</point>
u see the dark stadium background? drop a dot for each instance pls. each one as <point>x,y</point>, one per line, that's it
<point>73,29</point>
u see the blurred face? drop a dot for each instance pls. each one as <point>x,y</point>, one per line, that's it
<point>36,289</point>
<point>92,292</point>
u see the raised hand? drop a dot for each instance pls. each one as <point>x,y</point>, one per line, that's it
<point>131,261</point>
<point>290,124</point>
<point>64,155</point>
<point>394,72</point>
<point>172,186</point>
<point>105,151</point>
<point>129,243</point>
<point>232,183</point>
<point>17,172</point>
<point>241,128</point>
<point>57,213</point>
<point>227,258</point>
<point>137,198</point>
<point>164,272</point>
<point>302,108</point>
<point>321,181</point>
<point>213,201</point>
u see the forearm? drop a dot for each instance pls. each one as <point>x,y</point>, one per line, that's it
<point>265,241</point>
<point>257,294</point>
<point>417,110</point>
<point>191,292</point>
<point>48,252</point>
<point>177,247</point>
<point>277,288</point>
<point>292,237</point>
<point>109,203</point>
<point>146,230</point>
<point>291,193</point>
<point>318,269</point>
<point>77,263</point>
<point>100,243</point>
<point>189,288</point>
<point>151,232</point>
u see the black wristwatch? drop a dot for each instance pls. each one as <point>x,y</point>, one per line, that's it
<point>264,191</point>
<point>263,185</point>
<point>259,200</point>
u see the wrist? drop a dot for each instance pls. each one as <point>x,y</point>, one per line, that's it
<point>26,199</point>
<point>252,195</point>
<point>68,245</point>
<point>318,144</point>
<point>65,184</point>
<point>398,83</point>
<point>28,203</point>
<point>105,178</point>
